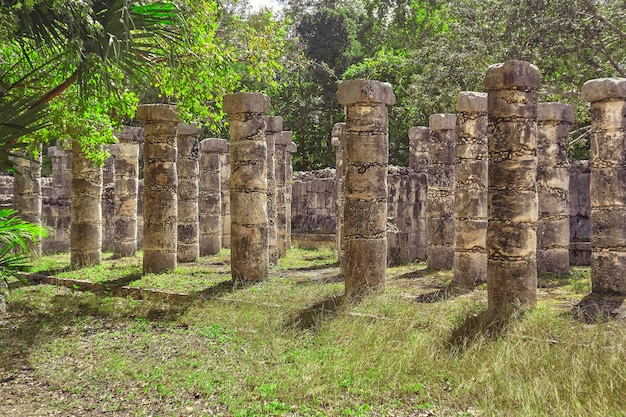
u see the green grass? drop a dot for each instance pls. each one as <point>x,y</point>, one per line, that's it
<point>266,350</point>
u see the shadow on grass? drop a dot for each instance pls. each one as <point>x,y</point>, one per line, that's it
<point>487,324</point>
<point>448,292</point>
<point>29,326</point>
<point>315,267</point>
<point>335,279</point>
<point>417,274</point>
<point>309,318</point>
<point>122,281</point>
<point>219,289</point>
<point>595,308</point>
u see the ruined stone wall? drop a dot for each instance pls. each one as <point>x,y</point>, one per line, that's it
<point>580,213</point>
<point>314,209</point>
<point>406,214</point>
<point>314,205</point>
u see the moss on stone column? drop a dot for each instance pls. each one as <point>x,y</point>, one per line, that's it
<point>608,184</point>
<point>338,140</point>
<point>188,249</point>
<point>273,129</point>
<point>225,193</point>
<point>512,214</point>
<point>126,180</point>
<point>440,206</point>
<point>248,186</point>
<point>27,191</point>
<point>553,234</point>
<point>470,191</point>
<point>365,209</point>
<point>210,198</point>
<point>283,177</point>
<point>86,210</point>
<point>160,195</point>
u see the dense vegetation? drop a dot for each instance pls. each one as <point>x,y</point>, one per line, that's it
<point>79,68</point>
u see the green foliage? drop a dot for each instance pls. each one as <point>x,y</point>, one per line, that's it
<point>15,237</point>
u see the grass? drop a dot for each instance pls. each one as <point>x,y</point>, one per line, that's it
<point>290,347</point>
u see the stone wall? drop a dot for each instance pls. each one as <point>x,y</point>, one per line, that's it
<point>314,210</point>
<point>314,205</point>
<point>580,213</point>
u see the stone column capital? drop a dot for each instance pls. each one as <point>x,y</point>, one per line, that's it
<point>246,103</point>
<point>365,91</point>
<point>419,133</point>
<point>556,112</point>
<point>214,145</point>
<point>274,124</point>
<point>471,102</point>
<point>285,138</point>
<point>601,89</point>
<point>157,113</point>
<point>512,74</point>
<point>187,129</point>
<point>442,121</point>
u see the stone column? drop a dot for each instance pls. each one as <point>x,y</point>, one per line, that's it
<point>85,211</point>
<point>160,183</point>
<point>210,199</point>
<point>339,142</point>
<point>58,219</point>
<point>291,150</point>
<point>273,129</point>
<point>27,191</point>
<point>188,249</point>
<point>512,215</point>
<point>283,192</point>
<point>553,122</point>
<point>248,186</point>
<point>365,209</point>
<point>126,185</point>
<point>470,191</point>
<point>608,184</point>
<point>440,206</point>
<point>419,148</point>
<point>225,194</point>
<point>108,199</point>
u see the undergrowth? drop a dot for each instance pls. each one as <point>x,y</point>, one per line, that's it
<point>291,346</point>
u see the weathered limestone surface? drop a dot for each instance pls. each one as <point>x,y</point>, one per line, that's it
<point>553,234</point>
<point>406,215</point>
<point>315,202</point>
<point>56,204</point>
<point>187,170</point>
<point>419,148</point>
<point>470,192</point>
<point>608,184</point>
<point>580,214</point>
<point>284,189</point>
<point>160,195</point>
<point>248,186</point>
<point>338,140</point>
<point>210,199</point>
<point>513,207</point>
<point>108,199</point>
<point>86,211</point>
<point>365,210</point>
<point>225,191</point>
<point>273,129</point>
<point>27,198</point>
<point>126,180</point>
<point>440,206</point>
